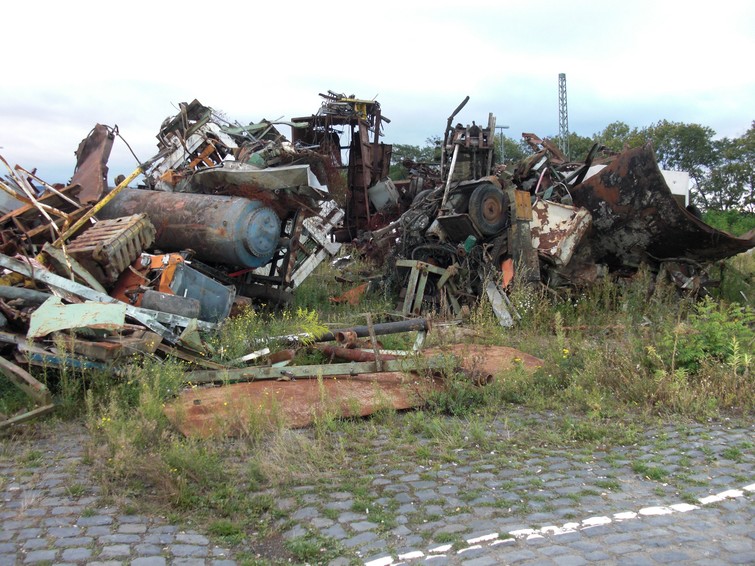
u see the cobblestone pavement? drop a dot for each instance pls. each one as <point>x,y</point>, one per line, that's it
<point>679,494</point>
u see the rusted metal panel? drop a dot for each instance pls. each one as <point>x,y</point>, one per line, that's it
<point>636,218</point>
<point>557,229</point>
<point>110,246</point>
<point>91,163</point>
<point>523,201</point>
<point>228,410</point>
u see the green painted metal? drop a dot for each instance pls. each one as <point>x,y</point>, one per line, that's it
<point>313,371</point>
<point>53,315</point>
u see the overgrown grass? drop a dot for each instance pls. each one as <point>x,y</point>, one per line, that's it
<point>611,353</point>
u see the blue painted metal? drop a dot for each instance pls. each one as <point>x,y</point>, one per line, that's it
<point>233,231</point>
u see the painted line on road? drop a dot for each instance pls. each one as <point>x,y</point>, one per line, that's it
<point>495,539</point>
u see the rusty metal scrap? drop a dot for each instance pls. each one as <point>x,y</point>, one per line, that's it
<point>636,219</point>
<point>230,215</point>
<point>110,246</point>
<point>91,163</point>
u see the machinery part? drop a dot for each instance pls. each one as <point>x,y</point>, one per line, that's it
<point>44,276</point>
<point>105,200</point>
<point>91,163</point>
<point>421,196</point>
<point>489,209</point>
<point>110,246</point>
<point>233,231</point>
<point>353,354</point>
<point>274,295</point>
<point>174,304</point>
<point>215,299</point>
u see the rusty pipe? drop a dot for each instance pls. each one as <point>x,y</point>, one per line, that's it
<point>352,354</point>
<point>346,337</point>
<point>420,324</point>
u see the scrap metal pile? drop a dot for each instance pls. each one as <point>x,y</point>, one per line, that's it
<point>228,215</point>
<point>565,224</point>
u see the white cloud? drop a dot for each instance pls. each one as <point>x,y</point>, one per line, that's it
<point>73,64</point>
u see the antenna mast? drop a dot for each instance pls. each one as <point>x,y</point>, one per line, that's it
<point>563,116</point>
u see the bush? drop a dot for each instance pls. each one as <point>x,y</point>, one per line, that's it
<point>713,332</point>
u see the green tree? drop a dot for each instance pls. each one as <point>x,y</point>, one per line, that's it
<point>686,147</point>
<point>513,151</point>
<point>429,153</point>
<point>731,181</point>
<point>618,136</point>
<point>579,146</point>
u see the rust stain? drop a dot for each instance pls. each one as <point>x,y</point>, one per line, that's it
<point>228,410</point>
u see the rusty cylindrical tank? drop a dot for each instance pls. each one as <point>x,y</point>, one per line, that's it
<point>233,231</point>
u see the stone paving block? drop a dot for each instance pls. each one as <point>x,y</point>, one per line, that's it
<point>73,541</point>
<point>164,529</point>
<point>35,544</point>
<point>670,556</point>
<point>65,531</point>
<point>192,538</point>
<point>67,510</point>
<point>480,561</point>
<point>94,520</point>
<point>510,556</point>
<point>148,561</point>
<point>159,538</point>
<point>187,550</point>
<point>736,546</point>
<point>742,558</point>
<point>115,551</point>
<point>295,532</point>
<point>555,550</point>
<point>305,513</point>
<point>570,560</point>
<point>77,554</point>
<point>118,539</point>
<point>360,539</point>
<point>145,549</point>
<point>361,526</point>
<point>40,556</point>
<point>132,528</point>
<point>633,558</point>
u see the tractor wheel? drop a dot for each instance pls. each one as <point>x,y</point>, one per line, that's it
<point>489,209</point>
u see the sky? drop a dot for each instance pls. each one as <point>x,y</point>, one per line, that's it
<point>69,65</point>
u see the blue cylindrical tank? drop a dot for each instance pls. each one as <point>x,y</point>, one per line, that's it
<point>233,231</point>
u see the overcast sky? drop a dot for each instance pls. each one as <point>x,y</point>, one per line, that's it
<point>69,65</point>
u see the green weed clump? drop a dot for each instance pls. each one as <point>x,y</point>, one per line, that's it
<point>713,331</point>
<point>622,346</point>
<point>253,330</point>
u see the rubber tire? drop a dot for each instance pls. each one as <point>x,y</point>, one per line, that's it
<point>489,209</point>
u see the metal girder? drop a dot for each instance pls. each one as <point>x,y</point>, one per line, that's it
<point>323,370</point>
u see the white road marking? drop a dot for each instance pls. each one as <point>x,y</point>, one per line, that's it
<point>494,539</point>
